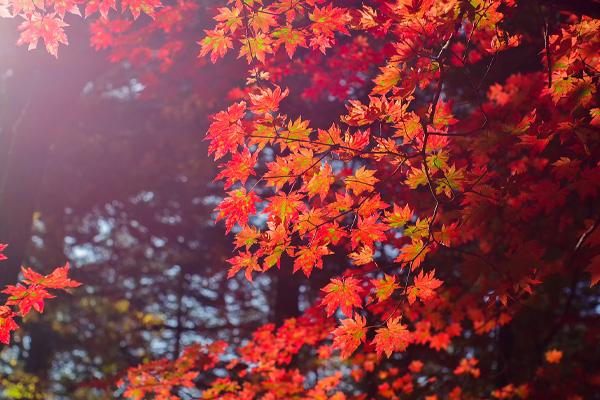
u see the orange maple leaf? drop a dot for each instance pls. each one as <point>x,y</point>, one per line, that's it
<point>468,366</point>
<point>398,217</point>
<point>310,257</point>
<point>362,180</point>
<point>320,182</point>
<point>350,335</point>
<point>394,337</point>
<point>215,42</point>
<point>256,47</point>
<point>57,279</point>
<point>267,100</point>
<point>413,254</point>
<point>229,19</point>
<point>344,293</point>
<point>237,208</point>
<point>415,366</point>
<point>368,231</point>
<point>384,288</point>
<point>424,287</point>
<point>244,260</point>
<point>363,256</point>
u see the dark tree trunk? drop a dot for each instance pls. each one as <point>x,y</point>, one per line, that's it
<point>179,328</point>
<point>287,292</point>
<point>505,353</point>
<point>25,150</point>
<point>41,349</point>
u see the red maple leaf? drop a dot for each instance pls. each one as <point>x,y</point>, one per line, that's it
<point>350,335</point>
<point>344,293</point>
<point>57,279</point>
<point>102,6</point>
<point>243,260</point>
<point>309,257</point>
<point>2,248</point>
<point>424,287</point>
<point>26,297</point>
<point>384,288</point>
<point>7,324</point>
<point>237,208</point>
<point>393,337</point>
<point>138,6</point>
<point>49,28</point>
<point>238,169</point>
<point>267,100</point>
<point>226,132</point>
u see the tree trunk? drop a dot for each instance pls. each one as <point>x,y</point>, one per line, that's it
<point>287,292</point>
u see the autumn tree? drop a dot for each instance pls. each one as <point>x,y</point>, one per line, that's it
<point>434,166</point>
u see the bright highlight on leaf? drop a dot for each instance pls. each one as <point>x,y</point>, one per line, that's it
<point>553,356</point>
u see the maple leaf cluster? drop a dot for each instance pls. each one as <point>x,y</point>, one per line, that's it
<point>403,175</point>
<point>161,376</point>
<point>31,292</point>
<point>449,201</point>
<point>45,20</point>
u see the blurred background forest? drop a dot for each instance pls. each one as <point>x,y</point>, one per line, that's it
<point>103,164</point>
